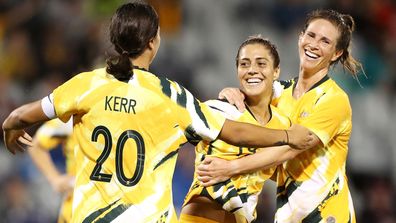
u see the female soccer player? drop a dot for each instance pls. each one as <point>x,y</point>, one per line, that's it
<point>313,186</point>
<point>50,135</point>
<point>129,125</point>
<point>257,63</point>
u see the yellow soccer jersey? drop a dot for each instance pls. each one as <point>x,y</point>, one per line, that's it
<point>313,186</point>
<point>128,138</point>
<point>239,194</point>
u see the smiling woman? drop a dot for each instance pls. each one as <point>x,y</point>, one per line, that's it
<point>315,181</point>
<point>235,199</point>
<point>258,65</point>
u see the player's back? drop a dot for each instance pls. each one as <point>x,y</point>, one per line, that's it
<point>128,136</point>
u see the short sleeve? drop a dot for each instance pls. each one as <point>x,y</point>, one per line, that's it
<point>66,97</point>
<point>224,108</point>
<point>196,119</point>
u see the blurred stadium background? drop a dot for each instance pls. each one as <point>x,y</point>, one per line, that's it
<point>43,43</point>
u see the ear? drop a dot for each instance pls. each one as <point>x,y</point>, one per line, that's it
<point>151,44</point>
<point>337,55</point>
<point>276,73</point>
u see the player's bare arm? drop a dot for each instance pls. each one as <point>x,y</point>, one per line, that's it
<point>297,136</point>
<point>15,137</point>
<point>214,170</point>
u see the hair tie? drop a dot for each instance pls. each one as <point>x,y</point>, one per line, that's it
<point>342,19</point>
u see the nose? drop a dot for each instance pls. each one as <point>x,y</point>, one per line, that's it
<point>253,69</point>
<point>313,44</point>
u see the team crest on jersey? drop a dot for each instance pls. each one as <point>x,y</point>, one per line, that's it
<point>330,219</point>
<point>304,114</point>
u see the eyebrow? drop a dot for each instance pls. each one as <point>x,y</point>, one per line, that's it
<point>244,58</point>
<point>258,58</point>
<point>262,58</point>
<point>323,37</point>
<point>327,39</point>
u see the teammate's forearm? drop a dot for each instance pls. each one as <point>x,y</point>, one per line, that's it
<point>244,134</point>
<point>265,158</point>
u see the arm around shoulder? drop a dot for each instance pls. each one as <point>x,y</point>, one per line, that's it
<point>244,134</point>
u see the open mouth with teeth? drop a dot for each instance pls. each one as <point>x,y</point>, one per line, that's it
<point>253,81</point>
<point>311,55</point>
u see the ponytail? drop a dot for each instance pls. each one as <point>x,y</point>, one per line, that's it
<point>120,66</point>
<point>131,29</point>
<point>351,64</point>
<point>347,60</point>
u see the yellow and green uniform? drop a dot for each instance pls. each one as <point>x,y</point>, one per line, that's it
<point>238,195</point>
<point>49,136</point>
<point>128,135</point>
<point>313,186</point>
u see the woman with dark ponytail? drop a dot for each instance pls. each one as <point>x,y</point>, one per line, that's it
<point>129,125</point>
<point>312,187</point>
<point>130,36</point>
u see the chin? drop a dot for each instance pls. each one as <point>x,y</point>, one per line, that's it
<point>308,66</point>
<point>253,93</point>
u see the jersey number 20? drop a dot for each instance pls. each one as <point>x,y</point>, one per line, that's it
<point>128,134</point>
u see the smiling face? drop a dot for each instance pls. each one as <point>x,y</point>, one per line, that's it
<point>256,70</point>
<point>317,46</point>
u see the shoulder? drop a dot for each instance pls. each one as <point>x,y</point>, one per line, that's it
<point>100,72</point>
<point>333,92</point>
<point>167,86</point>
<point>84,79</point>
<point>334,97</point>
<point>228,110</point>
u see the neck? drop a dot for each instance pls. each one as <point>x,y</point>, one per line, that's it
<point>307,79</point>
<point>259,108</point>
<point>143,61</point>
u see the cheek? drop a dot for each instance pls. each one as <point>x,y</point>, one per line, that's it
<point>329,52</point>
<point>300,46</point>
<point>301,40</point>
<point>240,73</point>
<point>269,74</point>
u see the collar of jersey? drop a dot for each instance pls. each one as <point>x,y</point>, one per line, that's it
<point>140,68</point>
<point>324,79</point>
<point>251,113</point>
